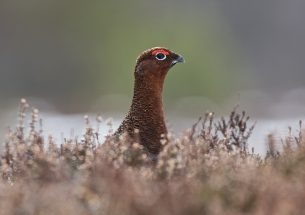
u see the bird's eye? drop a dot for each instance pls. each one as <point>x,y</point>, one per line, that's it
<point>160,56</point>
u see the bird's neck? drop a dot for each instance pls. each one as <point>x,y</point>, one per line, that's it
<point>147,101</point>
<point>148,96</point>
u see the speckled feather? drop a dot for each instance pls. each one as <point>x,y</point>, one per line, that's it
<point>146,112</point>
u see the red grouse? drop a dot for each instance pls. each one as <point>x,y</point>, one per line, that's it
<point>146,112</point>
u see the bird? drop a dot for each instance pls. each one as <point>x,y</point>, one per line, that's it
<point>145,118</point>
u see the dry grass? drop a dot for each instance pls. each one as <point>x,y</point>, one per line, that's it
<point>208,170</point>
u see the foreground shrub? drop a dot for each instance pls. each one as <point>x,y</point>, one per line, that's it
<point>207,170</point>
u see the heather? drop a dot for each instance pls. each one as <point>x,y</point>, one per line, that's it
<point>208,169</point>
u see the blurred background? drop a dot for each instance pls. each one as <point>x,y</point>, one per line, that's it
<point>69,58</point>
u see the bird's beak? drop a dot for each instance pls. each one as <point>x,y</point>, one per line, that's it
<point>178,59</point>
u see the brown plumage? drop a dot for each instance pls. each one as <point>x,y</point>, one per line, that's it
<point>146,112</point>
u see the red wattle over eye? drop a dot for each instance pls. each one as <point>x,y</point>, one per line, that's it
<point>160,51</point>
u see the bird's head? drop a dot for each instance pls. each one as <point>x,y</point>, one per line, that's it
<point>156,62</point>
